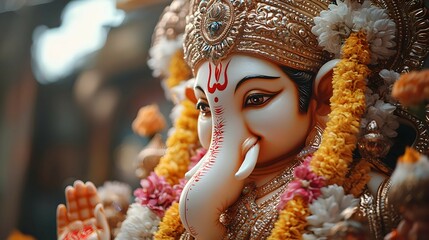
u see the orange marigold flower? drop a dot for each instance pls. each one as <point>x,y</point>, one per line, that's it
<point>412,88</point>
<point>148,121</point>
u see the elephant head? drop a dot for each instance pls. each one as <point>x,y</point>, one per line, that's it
<point>251,120</point>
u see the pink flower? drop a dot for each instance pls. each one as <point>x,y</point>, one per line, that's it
<point>178,188</point>
<point>157,194</point>
<point>306,184</point>
<point>197,157</point>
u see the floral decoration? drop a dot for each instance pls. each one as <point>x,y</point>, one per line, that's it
<point>197,157</point>
<point>358,178</point>
<point>140,223</point>
<point>306,184</point>
<point>334,156</point>
<point>380,106</point>
<point>327,210</point>
<point>120,189</point>
<point>174,164</point>
<point>412,88</point>
<point>161,55</point>
<point>171,227</point>
<point>389,77</point>
<point>292,220</point>
<point>179,70</point>
<point>382,113</point>
<point>149,121</point>
<point>157,194</point>
<point>335,25</point>
<point>379,28</point>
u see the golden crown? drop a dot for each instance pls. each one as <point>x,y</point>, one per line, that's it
<point>277,30</point>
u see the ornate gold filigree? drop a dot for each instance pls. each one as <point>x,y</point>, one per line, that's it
<point>412,38</point>
<point>279,31</point>
<point>172,22</point>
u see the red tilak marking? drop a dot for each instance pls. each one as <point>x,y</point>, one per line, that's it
<point>217,85</point>
<point>214,150</point>
<point>218,71</point>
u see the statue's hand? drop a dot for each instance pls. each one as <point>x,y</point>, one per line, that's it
<point>84,217</point>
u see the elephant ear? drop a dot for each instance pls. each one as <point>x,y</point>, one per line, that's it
<point>189,90</point>
<point>323,87</point>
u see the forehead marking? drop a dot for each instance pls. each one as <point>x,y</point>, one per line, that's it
<point>212,87</point>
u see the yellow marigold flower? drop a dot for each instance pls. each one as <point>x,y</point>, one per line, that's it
<point>412,88</point>
<point>170,228</point>
<point>179,70</point>
<point>292,220</point>
<point>334,155</point>
<point>358,178</point>
<point>357,47</point>
<point>148,121</point>
<point>174,164</point>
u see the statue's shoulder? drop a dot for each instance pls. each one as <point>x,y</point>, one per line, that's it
<point>382,217</point>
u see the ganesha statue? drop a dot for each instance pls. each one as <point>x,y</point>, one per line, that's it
<point>285,91</point>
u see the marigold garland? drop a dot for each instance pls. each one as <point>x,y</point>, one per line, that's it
<point>170,227</point>
<point>335,153</point>
<point>292,220</point>
<point>178,69</point>
<point>358,178</point>
<point>174,164</point>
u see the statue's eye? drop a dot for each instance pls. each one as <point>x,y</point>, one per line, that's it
<point>257,99</point>
<point>204,108</point>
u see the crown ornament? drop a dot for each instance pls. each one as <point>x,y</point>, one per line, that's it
<point>279,31</point>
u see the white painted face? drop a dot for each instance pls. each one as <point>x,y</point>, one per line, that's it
<point>263,97</point>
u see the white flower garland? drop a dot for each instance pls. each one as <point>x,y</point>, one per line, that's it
<point>336,24</point>
<point>327,211</point>
<point>141,223</point>
<point>161,53</point>
<point>389,77</point>
<point>109,188</point>
<point>380,106</point>
<point>333,26</point>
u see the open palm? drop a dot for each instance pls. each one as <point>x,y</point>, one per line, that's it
<point>84,217</point>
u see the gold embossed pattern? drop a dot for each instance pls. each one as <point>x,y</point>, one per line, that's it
<point>279,31</point>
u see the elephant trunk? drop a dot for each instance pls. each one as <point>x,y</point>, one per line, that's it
<point>217,183</point>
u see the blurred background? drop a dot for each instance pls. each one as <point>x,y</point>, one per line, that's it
<point>73,75</point>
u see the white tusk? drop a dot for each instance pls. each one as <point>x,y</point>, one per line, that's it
<point>249,163</point>
<point>195,168</point>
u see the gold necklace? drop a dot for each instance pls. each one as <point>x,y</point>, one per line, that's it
<point>246,219</point>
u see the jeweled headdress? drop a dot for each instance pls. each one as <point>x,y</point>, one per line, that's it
<point>279,31</point>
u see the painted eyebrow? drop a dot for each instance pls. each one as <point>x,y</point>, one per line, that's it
<point>253,77</point>
<point>200,88</point>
